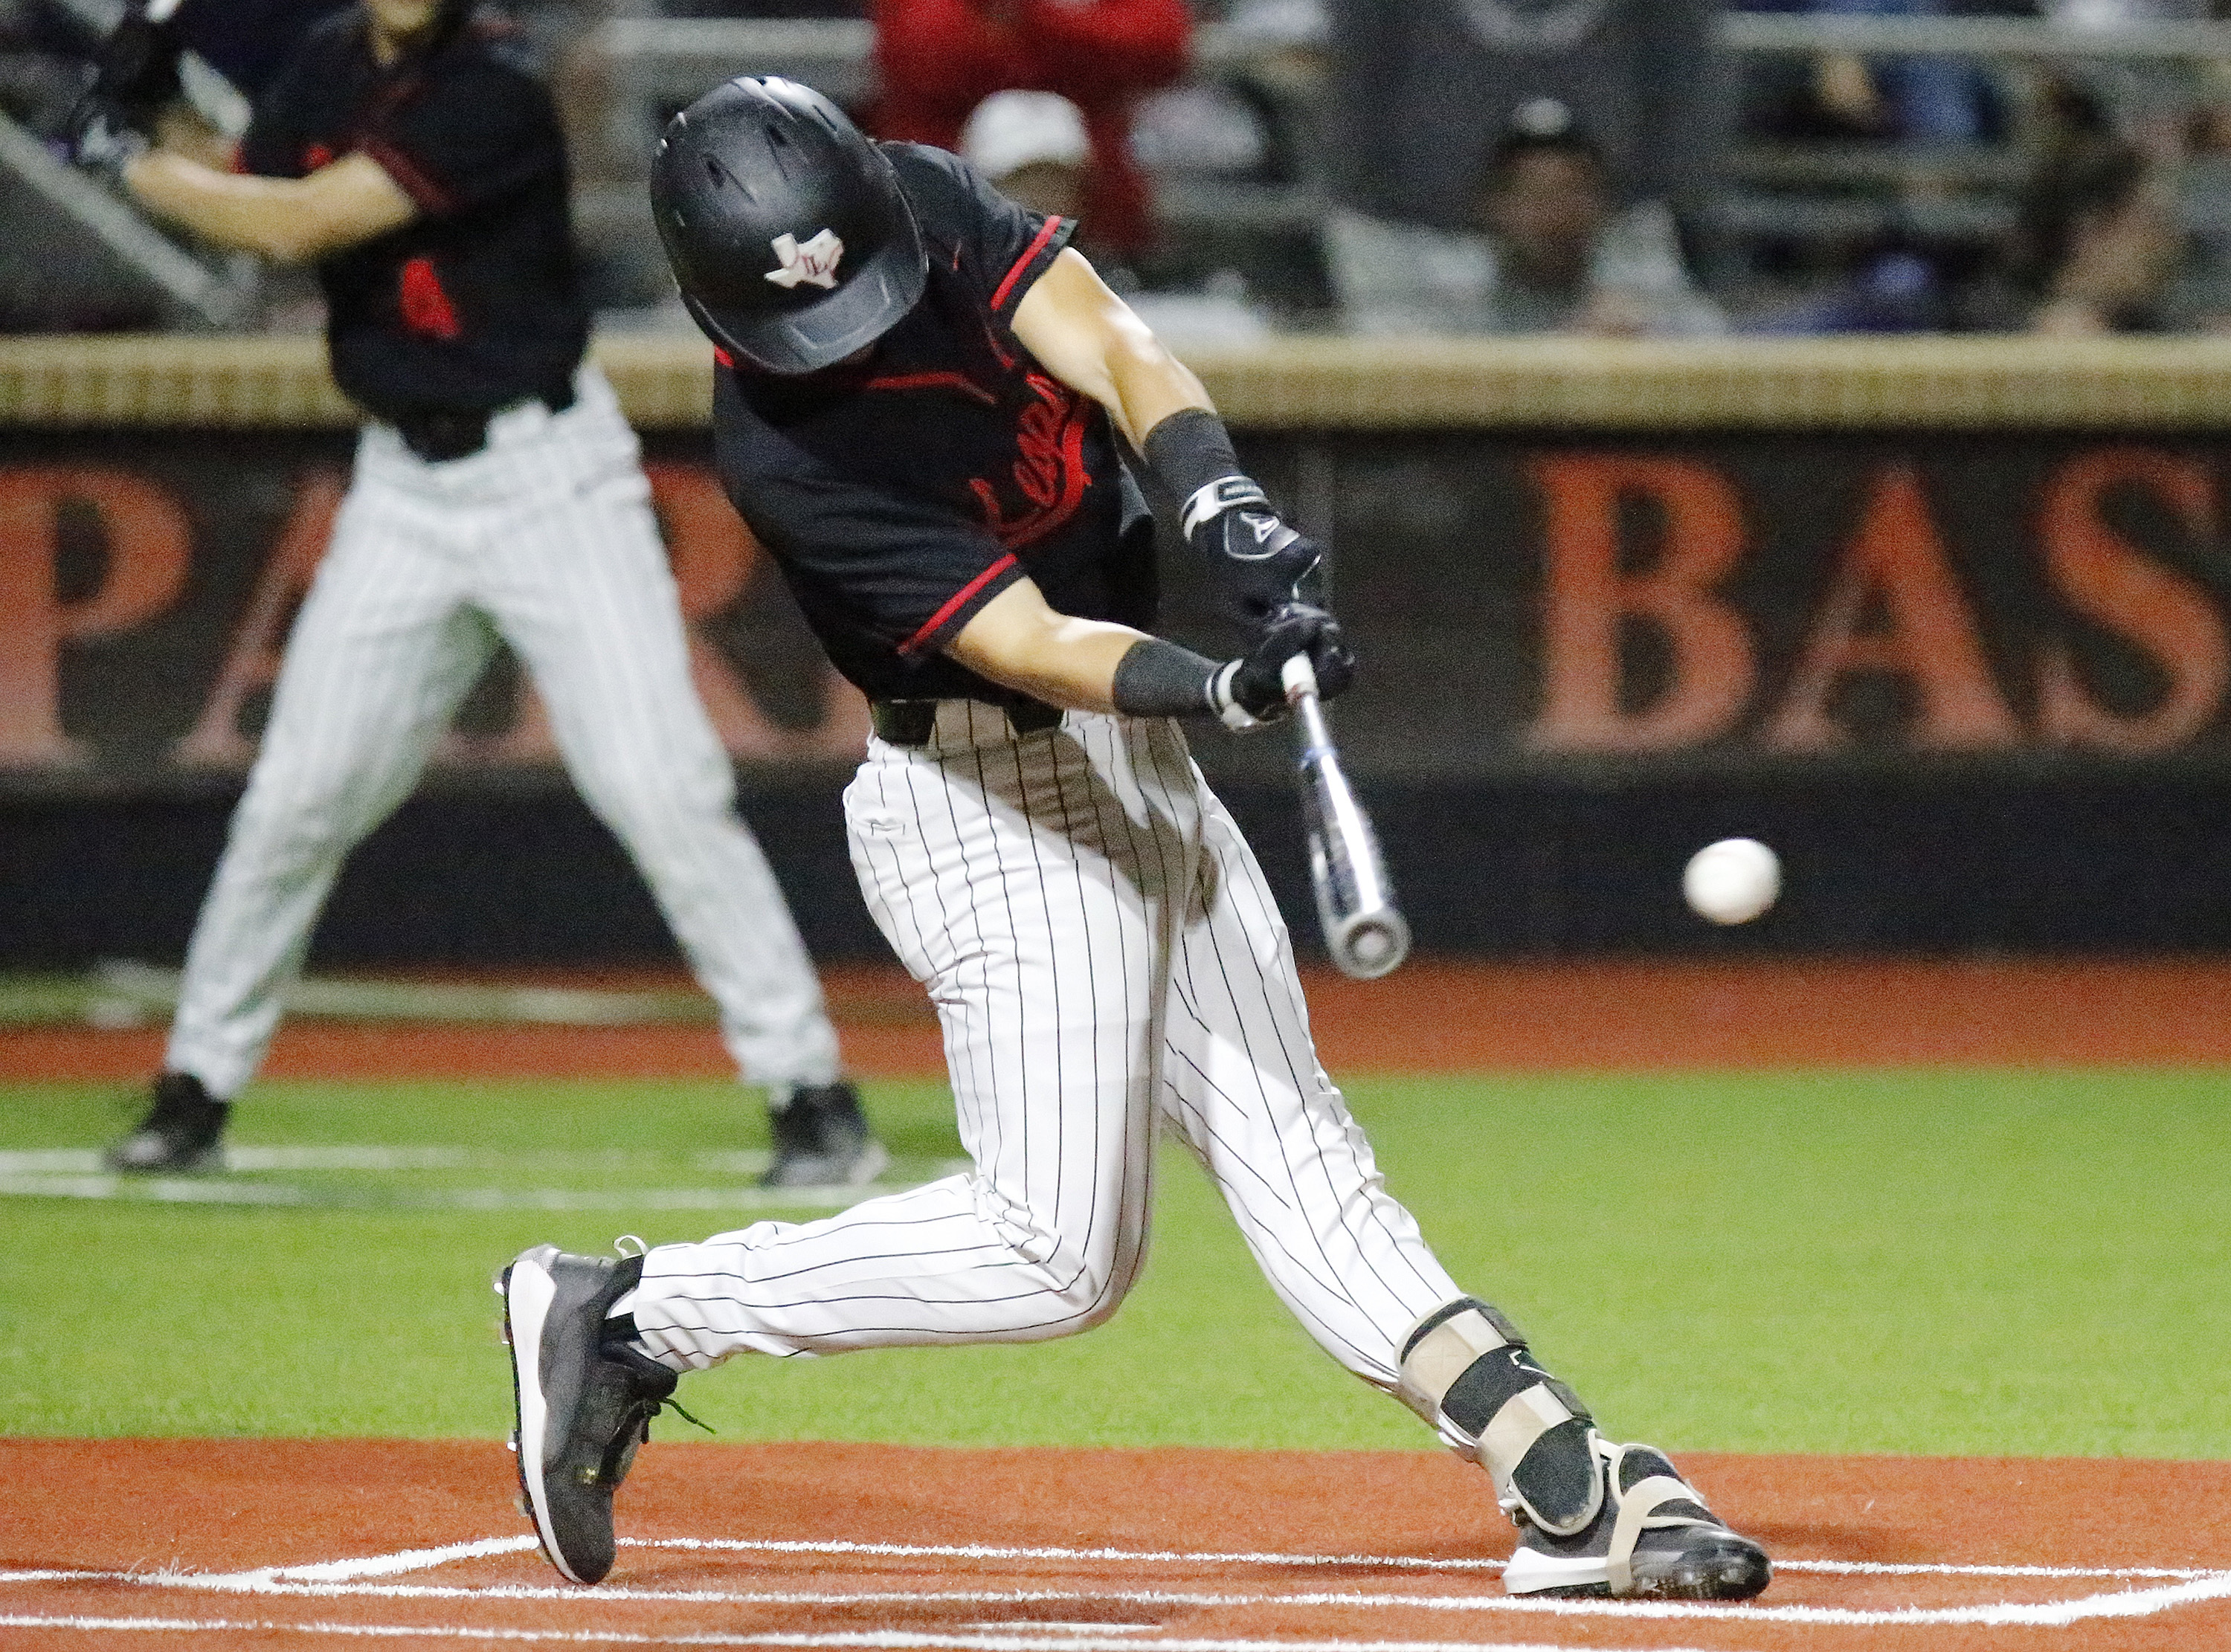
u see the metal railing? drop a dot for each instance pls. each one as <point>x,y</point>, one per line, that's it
<point>835,54</point>
<point>832,54</point>
<point>1791,32</point>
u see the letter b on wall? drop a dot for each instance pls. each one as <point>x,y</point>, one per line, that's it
<point>1589,598</point>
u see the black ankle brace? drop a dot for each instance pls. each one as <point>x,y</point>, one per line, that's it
<point>1468,1371</point>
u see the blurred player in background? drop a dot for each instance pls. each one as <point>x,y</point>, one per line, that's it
<point>925,404</point>
<point>407,152</point>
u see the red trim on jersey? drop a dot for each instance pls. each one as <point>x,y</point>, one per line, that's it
<point>723,357</point>
<point>1051,227</point>
<point>429,196</point>
<point>956,603</point>
<point>960,382</point>
<point>426,307</point>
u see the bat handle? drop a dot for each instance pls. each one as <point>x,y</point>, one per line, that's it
<point>1313,735</point>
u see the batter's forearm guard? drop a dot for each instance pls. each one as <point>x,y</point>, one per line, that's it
<point>1228,517</point>
<point>1467,1370</point>
<point>1160,678</point>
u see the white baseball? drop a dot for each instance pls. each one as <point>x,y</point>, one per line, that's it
<point>1733,880</point>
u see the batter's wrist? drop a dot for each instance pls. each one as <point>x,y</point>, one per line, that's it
<point>1191,453</point>
<point>1235,716</point>
<point>1158,678</point>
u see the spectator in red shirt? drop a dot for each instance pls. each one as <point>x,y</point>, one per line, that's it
<point>939,59</point>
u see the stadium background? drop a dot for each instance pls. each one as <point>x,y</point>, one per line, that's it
<point>1889,1177</point>
<point>1947,628</point>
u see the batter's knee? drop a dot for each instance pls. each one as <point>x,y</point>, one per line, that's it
<point>1084,1277</point>
<point>1093,1297</point>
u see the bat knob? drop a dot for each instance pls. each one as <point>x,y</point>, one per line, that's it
<point>1372,946</point>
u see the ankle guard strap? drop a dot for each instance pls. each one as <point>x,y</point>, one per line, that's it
<point>1466,1370</point>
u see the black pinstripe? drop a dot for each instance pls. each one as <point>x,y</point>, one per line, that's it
<point>1194,1014</point>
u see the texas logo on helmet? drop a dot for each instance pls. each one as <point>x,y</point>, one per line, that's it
<point>814,260</point>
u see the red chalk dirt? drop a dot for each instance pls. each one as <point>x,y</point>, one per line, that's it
<point>121,1543</point>
<point>143,1542</point>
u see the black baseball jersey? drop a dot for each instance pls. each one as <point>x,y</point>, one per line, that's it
<point>476,303</point>
<point>901,494</point>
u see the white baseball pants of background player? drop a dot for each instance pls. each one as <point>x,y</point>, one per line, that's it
<point>546,539</point>
<point>1102,952</point>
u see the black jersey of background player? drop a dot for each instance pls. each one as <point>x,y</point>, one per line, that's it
<point>901,494</point>
<point>476,303</point>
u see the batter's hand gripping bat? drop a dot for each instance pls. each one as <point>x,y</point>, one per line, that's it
<point>1364,931</point>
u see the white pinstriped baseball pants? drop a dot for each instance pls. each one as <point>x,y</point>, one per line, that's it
<point>1101,950</point>
<point>545,539</point>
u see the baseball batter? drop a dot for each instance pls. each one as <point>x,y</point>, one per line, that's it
<point>923,414</point>
<point>497,494</point>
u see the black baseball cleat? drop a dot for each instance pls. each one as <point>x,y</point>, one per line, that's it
<point>1653,1538</point>
<point>822,1139</point>
<point>184,1131</point>
<point>583,1399</point>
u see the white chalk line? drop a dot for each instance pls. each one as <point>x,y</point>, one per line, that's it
<point>347,1579</point>
<point>898,1640</point>
<point>1187,1557</point>
<point>79,1173</point>
<point>2051,1614</point>
<point>388,1566</point>
<point>421,1559</point>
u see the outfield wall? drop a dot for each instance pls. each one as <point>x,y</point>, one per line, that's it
<point>1945,621</point>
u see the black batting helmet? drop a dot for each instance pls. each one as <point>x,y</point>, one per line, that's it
<point>785,227</point>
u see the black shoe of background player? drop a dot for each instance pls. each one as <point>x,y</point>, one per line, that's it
<point>822,1139</point>
<point>183,1131</point>
<point>583,1398</point>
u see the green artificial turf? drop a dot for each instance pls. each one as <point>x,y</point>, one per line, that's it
<point>1926,1261</point>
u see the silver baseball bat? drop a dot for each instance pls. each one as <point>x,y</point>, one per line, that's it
<point>1364,931</point>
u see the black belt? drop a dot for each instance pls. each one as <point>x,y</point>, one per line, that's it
<point>911,722</point>
<point>438,434</point>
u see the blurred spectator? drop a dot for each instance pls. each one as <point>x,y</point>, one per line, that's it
<point>1421,87</point>
<point>1033,147</point>
<point>1915,100</point>
<point>2149,101</point>
<point>939,59</point>
<point>1256,118</point>
<point>2099,250</point>
<point>1549,251</point>
<point>1891,289</point>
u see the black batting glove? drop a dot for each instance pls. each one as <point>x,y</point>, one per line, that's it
<point>1264,564</point>
<point>102,140</point>
<point>136,68</point>
<point>1261,563</point>
<point>1251,690</point>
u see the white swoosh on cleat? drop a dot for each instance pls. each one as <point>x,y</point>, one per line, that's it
<point>527,1305</point>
